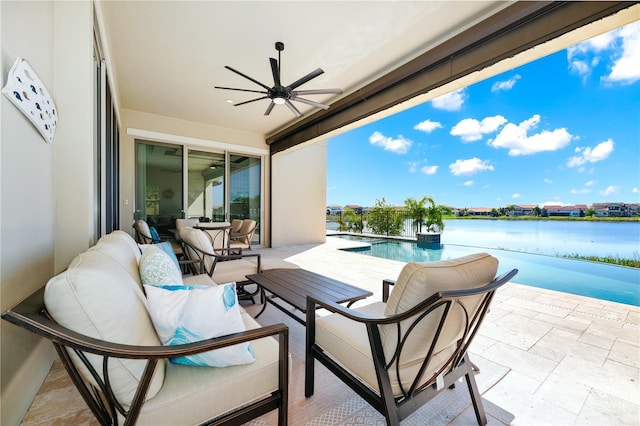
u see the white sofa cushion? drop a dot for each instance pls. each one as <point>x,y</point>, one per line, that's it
<point>96,297</point>
<point>187,314</point>
<point>123,249</point>
<point>188,396</point>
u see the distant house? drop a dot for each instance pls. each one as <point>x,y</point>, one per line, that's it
<point>479,211</point>
<point>334,210</point>
<point>601,209</point>
<point>573,211</point>
<point>356,208</point>
<point>616,209</point>
<point>524,209</point>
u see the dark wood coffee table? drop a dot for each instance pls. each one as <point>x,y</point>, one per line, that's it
<point>294,285</point>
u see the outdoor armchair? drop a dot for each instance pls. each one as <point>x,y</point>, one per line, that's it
<point>241,240</point>
<point>210,247</point>
<point>145,235</point>
<point>400,354</point>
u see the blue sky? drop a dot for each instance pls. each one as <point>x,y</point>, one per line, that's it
<point>564,129</point>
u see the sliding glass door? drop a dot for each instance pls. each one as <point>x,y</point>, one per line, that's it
<point>217,186</point>
<point>245,194</point>
<point>159,185</point>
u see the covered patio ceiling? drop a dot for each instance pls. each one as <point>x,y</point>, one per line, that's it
<point>167,56</point>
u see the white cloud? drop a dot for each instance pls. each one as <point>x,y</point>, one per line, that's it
<point>429,170</point>
<point>450,102</point>
<point>547,180</point>
<point>427,126</point>
<point>590,183</point>
<point>516,195</point>
<point>625,68</point>
<point>471,129</point>
<point>468,183</point>
<point>634,190</point>
<point>620,48</point>
<point>400,145</point>
<point>610,190</point>
<point>581,191</point>
<point>515,139</point>
<point>413,166</point>
<point>591,155</point>
<point>469,167</point>
<point>505,85</point>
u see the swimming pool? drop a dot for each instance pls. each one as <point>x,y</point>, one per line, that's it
<point>602,281</point>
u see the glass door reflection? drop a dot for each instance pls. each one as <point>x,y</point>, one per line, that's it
<point>206,186</point>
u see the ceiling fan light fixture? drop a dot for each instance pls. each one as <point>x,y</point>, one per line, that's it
<point>278,101</point>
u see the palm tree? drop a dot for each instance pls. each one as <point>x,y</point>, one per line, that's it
<point>421,213</point>
<point>434,221</point>
<point>417,210</point>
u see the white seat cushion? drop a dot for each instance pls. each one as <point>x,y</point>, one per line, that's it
<point>347,342</point>
<point>233,270</point>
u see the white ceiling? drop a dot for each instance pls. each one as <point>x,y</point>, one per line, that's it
<point>167,56</point>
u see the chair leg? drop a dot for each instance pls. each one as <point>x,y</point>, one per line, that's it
<point>481,417</point>
<point>309,361</point>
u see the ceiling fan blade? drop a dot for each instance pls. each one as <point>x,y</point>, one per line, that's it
<point>240,90</point>
<point>247,77</point>
<point>269,108</point>
<point>252,100</point>
<point>292,108</point>
<point>303,80</point>
<point>308,102</point>
<point>275,70</point>
<point>316,92</point>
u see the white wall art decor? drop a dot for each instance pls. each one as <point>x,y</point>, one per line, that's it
<point>25,90</point>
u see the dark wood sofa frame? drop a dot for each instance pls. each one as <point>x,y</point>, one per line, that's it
<point>31,314</point>
<point>420,392</point>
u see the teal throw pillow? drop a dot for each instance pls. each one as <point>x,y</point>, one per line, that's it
<point>155,237</point>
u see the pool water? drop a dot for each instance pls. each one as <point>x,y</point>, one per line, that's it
<point>602,281</point>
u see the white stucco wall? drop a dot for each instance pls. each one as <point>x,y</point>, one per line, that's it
<point>44,203</point>
<point>298,195</point>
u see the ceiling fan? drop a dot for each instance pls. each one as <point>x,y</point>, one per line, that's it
<point>279,94</point>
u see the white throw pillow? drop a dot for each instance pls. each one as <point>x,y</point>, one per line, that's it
<point>157,268</point>
<point>185,314</point>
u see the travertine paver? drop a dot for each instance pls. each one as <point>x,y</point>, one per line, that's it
<point>562,358</point>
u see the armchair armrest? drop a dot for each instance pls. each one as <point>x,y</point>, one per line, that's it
<point>219,257</point>
<point>386,283</point>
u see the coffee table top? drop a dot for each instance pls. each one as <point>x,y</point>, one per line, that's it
<point>294,285</point>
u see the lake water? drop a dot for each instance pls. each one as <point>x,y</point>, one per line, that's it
<point>617,239</point>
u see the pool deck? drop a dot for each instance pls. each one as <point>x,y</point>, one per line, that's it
<point>561,358</point>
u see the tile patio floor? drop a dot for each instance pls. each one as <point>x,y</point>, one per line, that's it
<point>563,359</point>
